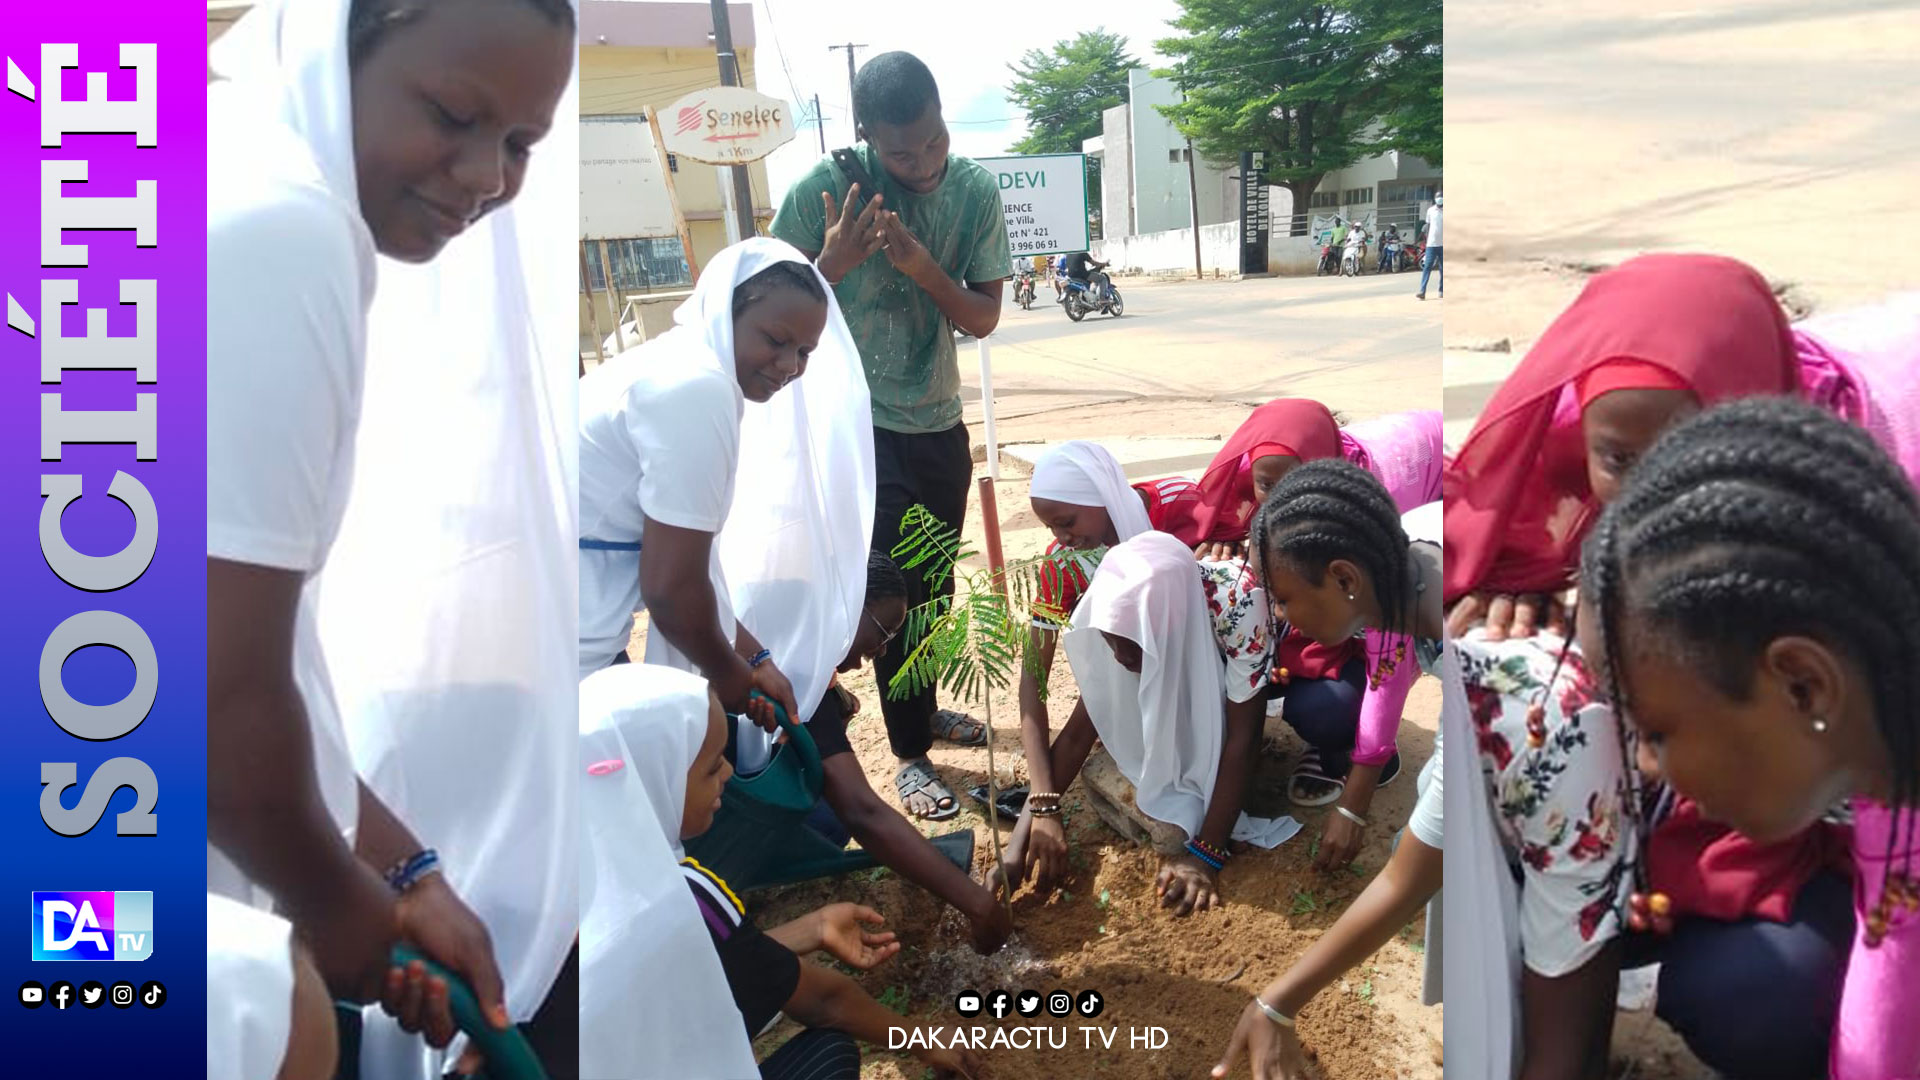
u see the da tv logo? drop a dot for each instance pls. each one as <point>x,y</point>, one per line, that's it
<point>92,925</point>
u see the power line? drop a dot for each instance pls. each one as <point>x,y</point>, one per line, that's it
<point>780,52</point>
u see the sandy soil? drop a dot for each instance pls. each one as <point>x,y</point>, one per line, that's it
<point>1104,931</point>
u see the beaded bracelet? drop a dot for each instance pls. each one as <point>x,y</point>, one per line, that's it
<point>1217,864</point>
<point>759,658</point>
<point>409,871</point>
<point>1046,810</point>
<point>1218,854</point>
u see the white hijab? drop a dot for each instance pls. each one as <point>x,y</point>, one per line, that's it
<point>286,61</point>
<point>1085,474</point>
<point>249,991</point>
<point>794,549</point>
<point>653,1000</point>
<point>1164,727</point>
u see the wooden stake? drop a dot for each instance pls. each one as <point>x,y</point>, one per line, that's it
<point>673,196</point>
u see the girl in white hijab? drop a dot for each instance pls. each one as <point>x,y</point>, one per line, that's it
<point>1081,493</point>
<point>652,746</point>
<point>461,704</point>
<point>689,463</point>
<point>337,129</point>
<point>637,920</point>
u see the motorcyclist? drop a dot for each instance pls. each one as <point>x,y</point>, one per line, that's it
<point>1389,245</point>
<point>1079,267</point>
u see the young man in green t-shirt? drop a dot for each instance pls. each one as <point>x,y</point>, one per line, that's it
<point>936,220</point>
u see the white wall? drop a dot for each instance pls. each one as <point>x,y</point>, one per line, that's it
<point>1172,250</point>
<point>1160,185</point>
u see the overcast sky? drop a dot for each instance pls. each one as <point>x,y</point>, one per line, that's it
<point>968,46</point>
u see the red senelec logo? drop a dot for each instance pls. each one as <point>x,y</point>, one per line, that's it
<point>690,117</point>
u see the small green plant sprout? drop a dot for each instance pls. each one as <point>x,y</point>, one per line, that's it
<point>1303,902</point>
<point>976,641</point>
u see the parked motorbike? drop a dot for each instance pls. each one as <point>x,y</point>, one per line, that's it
<point>1098,294</point>
<point>1390,250</point>
<point>1329,259</point>
<point>1355,254</point>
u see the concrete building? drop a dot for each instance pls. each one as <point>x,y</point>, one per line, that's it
<point>1143,167</point>
<point>1146,214</point>
<point>637,55</point>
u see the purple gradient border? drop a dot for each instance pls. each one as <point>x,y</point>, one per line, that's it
<point>169,601</point>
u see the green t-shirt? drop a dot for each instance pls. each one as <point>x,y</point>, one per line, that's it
<point>905,343</point>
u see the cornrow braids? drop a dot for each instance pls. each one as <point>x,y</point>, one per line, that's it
<point>884,579</point>
<point>1763,519</point>
<point>781,275</point>
<point>1332,509</point>
<point>369,21</point>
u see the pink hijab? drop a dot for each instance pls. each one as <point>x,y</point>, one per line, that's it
<point>1517,499</point>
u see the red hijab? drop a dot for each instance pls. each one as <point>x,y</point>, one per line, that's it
<point>1294,427</point>
<point>1517,499</point>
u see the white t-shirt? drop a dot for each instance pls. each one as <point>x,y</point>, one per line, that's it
<point>290,274</point>
<point>659,438</point>
<point>1433,226</point>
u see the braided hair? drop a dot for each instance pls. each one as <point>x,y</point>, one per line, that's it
<point>884,579</point>
<point>1332,509</point>
<point>781,275</point>
<point>1762,519</point>
<point>369,21</point>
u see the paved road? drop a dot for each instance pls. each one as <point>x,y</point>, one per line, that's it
<point>1777,131</point>
<point>1189,358</point>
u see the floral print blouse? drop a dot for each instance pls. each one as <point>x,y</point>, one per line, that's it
<point>1559,791</point>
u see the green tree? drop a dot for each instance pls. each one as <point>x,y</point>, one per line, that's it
<point>1410,94</point>
<point>1063,92</point>
<point>1305,82</point>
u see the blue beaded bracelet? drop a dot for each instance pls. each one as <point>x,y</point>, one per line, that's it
<point>1204,857</point>
<point>759,658</point>
<point>409,871</point>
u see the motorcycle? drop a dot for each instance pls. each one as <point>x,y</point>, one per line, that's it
<point>1355,255</point>
<point>1329,258</point>
<point>1023,290</point>
<point>1098,294</point>
<point>1390,250</point>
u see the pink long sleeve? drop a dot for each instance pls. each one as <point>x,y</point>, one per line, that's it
<point>1877,1036</point>
<point>1380,709</point>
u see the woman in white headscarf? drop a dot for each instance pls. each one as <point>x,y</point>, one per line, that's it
<point>689,463</point>
<point>637,920</point>
<point>461,704</point>
<point>1151,655</point>
<point>268,1014</point>
<point>337,130</point>
<point>652,742</point>
<point>1081,493</point>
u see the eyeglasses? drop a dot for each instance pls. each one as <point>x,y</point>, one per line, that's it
<point>886,635</point>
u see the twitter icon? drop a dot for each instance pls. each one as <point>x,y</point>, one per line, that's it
<point>1028,1003</point>
<point>92,994</point>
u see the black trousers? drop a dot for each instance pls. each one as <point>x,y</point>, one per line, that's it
<point>814,1054</point>
<point>933,470</point>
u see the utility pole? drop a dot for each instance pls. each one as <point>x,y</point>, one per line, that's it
<point>730,76</point>
<point>852,115</point>
<point>1193,202</point>
<point>820,124</point>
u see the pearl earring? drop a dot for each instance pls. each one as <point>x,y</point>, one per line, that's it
<point>1819,725</point>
